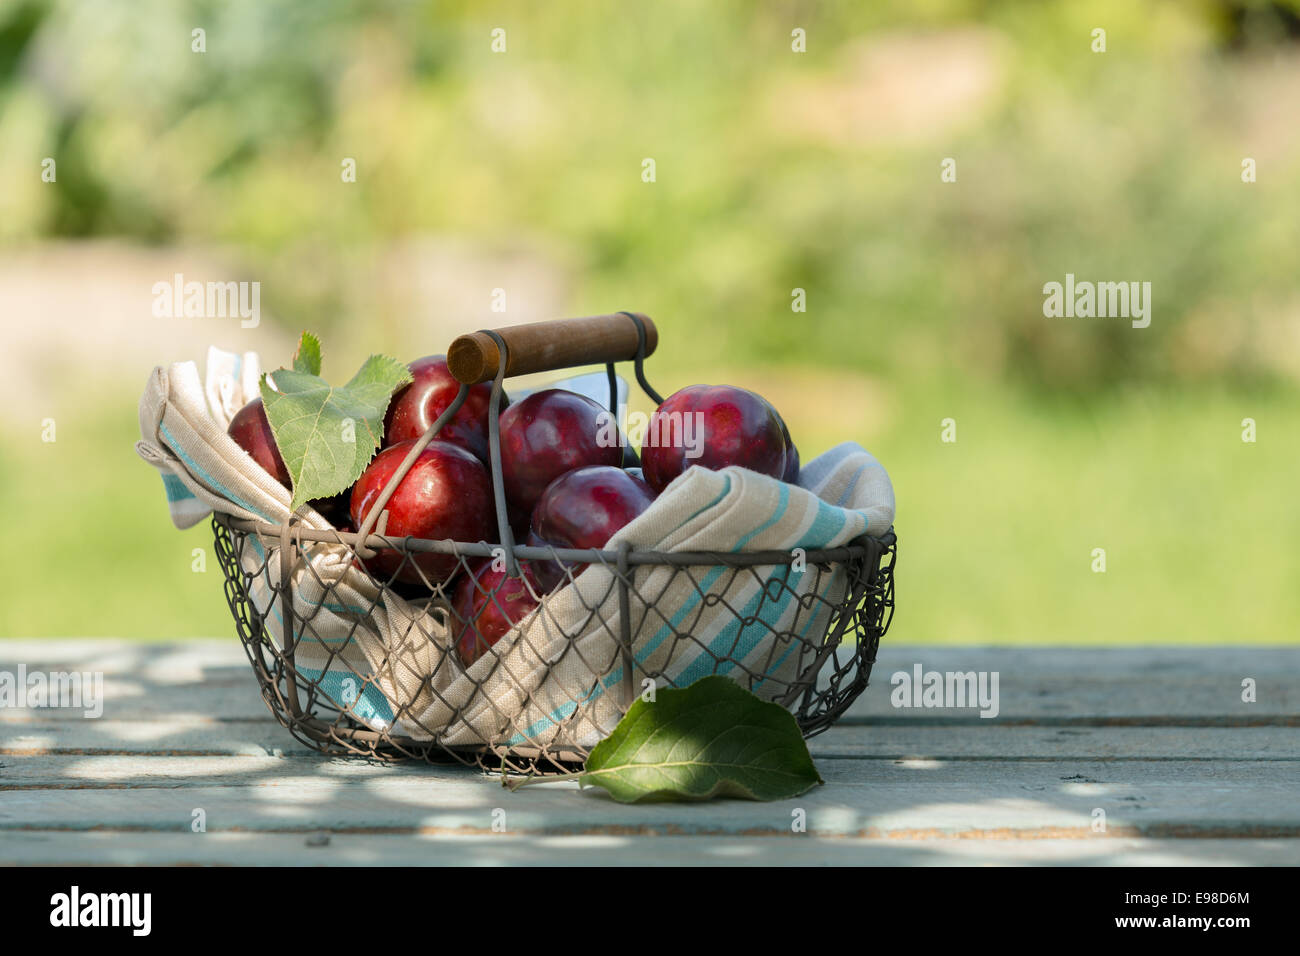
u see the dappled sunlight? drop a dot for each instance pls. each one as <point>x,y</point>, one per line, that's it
<point>967,811</point>
<point>1091,789</point>
<point>20,743</point>
<point>451,793</point>
<point>292,795</point>
<point>182,664</point>
<point>137,732</point>
<point>147,769</point>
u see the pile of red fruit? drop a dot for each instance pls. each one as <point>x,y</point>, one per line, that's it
<point>566,485</point>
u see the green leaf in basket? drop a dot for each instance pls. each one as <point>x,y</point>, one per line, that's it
<point>307,358</point>
<point>327,435</point>
<point>711,739</point>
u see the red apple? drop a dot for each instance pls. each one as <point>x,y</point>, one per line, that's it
<point>791,465</point>
<point>549,574</point>
<point>712,426</point>
<point>417,406</point>
<point>446,494</point>
<point>585,507</point>
<point>548,433</point>
<point>252,432</point>
<point>488,604</point>
<point>335,508</point>
<point>519,520</point>
<point>791,475</point>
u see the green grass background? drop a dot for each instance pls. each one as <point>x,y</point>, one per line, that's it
<point>775,170</point>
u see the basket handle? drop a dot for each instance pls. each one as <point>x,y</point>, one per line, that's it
<point>535,347</point>
<point>553,345</point>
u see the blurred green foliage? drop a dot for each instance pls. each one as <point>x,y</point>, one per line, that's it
<point>770,175</point>
<point>774,171</point>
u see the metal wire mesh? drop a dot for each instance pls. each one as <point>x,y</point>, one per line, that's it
<point>805,634</point>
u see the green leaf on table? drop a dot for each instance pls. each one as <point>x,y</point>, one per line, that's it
<point>327,435</point>
<point>307,358</point>
<point>711,739</point>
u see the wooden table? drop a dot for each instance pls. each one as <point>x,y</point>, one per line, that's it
<point>1157,739</point>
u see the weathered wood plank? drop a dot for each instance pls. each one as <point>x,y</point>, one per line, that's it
<point>1048,686</point>
<point>1074,744</point>
<point>1165,700</point>
<point>1053,660</point>
<point>151,771</point>
<point>458,801</point>
<point>243,849</point>
<point>183,734</point>
<point>196,736</point>
<point>1081,685</point>
<point>228,695</point>
<point>202,677</point>
<point>167,662</point>
<point>1041,701</point>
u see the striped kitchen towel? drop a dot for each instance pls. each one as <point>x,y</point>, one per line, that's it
<point>556,679</point>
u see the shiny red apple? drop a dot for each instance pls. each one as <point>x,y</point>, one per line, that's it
<point>252,432</point>
<point>446,494</point>
<point>488,603</point>
<point>548,572</point>
<point>791,457</point>
<point>548,433</point>
<point>417,406</point>
<point>583,508</point>
<point>791,465</point>
<point>712,426</point>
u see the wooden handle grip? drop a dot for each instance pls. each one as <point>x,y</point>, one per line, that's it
<point>547,346</point>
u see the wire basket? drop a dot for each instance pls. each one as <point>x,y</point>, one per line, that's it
<point>370,670</point>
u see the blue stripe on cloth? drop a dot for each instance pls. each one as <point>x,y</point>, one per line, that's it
<point>818,535</point>
<point>827,525</point>
<point>563,712</point>
<point>175,488</point>
<point>803,636</point>
<point>725,642</point>
<point>208,479</point>
<point>370,705</point>
<point>857,476</point>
